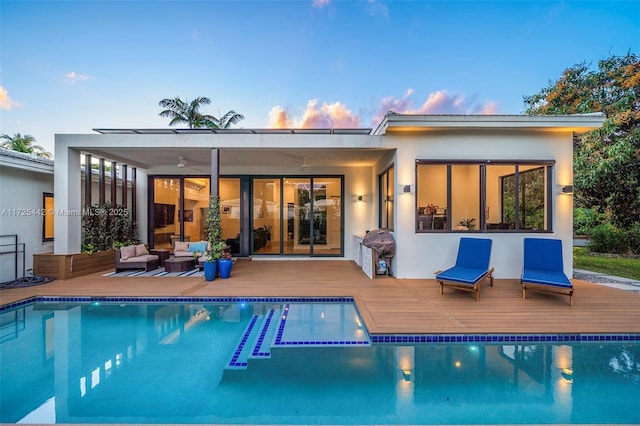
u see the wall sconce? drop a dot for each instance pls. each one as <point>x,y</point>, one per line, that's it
<point>567,189</point>
<point>360,198</point>
<point>406,189</point>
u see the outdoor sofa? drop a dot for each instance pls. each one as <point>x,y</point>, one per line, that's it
<point>135,257</point>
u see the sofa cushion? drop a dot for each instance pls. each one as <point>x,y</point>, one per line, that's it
<point>141,250</point>
<point>181,246</point>
<point>127,252</point>
<point>199,247</point>
<point>142,258</point>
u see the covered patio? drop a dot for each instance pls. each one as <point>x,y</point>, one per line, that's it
<point>388,305</point>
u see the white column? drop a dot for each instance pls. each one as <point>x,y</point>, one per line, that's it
<point>142,204</point>
<point>67,221</point>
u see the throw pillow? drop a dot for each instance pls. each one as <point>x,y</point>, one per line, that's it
<point>127,251</point>
<point>181,246</point>
<point>199,247</point>
<point>141,250</point>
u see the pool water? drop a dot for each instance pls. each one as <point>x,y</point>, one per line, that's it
<point>288,363</point>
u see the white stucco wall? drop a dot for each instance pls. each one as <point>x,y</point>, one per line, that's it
<point>420,255</point>
<point>21,200</point>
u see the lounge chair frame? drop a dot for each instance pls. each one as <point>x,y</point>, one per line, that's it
<point>467,287</point>
<point>544,288</point>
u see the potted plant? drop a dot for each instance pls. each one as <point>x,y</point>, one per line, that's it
<point>213,237</point>
<point>225,262</point>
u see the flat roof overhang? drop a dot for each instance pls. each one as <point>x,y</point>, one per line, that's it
<point>578,123</point>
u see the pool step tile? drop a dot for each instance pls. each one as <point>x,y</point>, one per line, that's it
<point>245,345</point>
<point>262,344</point>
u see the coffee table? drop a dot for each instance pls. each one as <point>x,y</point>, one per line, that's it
<point>179,264</point>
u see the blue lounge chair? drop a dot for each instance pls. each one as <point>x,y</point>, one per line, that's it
<point>543,270</point>
<point>471,268</point>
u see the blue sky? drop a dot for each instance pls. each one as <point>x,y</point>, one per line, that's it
<point>71,66</point>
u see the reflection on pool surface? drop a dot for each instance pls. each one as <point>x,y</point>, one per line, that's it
<point>290,363</point>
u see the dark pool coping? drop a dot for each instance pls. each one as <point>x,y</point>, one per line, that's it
<point>499,338</point>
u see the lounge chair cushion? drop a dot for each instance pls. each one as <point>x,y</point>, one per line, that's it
<point>461,275</point>
<point>127,252</point>
<point>141,250</point>
<point>538,276</point>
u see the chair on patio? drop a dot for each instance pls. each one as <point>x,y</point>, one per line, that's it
<point>471,268</point>
<point>543,269</point>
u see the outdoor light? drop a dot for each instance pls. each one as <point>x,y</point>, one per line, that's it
<point>406,189</point>
<point>567,189</point>
<point>406,375</point>
<point>360,197</point>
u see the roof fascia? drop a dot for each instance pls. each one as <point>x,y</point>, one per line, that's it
<point>421,123</point>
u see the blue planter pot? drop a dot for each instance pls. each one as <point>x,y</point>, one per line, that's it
<point>210,269</point>
<point>224,265</point>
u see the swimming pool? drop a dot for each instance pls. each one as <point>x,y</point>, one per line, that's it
<point>288,361</point>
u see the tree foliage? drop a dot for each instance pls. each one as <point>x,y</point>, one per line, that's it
<point>606,160</point>
<point>188,112</point>
<point>25,144</point>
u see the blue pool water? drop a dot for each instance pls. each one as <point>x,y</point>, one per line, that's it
<point>288,363</point>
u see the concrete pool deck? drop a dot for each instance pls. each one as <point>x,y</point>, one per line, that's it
<point>387,305</point>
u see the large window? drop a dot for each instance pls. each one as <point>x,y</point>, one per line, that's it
<point>386,191</point>
<point>491,196</point>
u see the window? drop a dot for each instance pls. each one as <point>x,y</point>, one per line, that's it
<point>490,196</point>
<point>47,217</point>
<point>387,184</point>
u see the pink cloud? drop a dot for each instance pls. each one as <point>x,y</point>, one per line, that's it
<point>320,3</point>
<point>326,116</point>
<point>440,102</point>
<point>6,102</point>
<point>336,114</point>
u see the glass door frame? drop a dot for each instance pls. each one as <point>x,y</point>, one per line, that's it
<point>283,213</point>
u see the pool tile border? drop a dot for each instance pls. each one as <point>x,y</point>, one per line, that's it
<point>278,341</point>
<point>375,338</point>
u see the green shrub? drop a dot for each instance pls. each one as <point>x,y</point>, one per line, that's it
<point>584,219</point>
<point>104,226</point>
<point>607,238</point>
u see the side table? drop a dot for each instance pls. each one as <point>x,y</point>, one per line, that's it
<point>163,254</point>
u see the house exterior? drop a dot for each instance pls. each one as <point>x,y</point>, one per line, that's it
<point>313,193</point>
<point>27,209</point>
<point>26,188</point>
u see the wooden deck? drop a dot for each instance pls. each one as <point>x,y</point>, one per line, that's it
<point>388,305</point>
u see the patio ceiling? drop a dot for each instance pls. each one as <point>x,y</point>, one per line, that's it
<point>152,158</point>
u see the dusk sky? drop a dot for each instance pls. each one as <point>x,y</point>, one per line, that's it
<point>71,66</point>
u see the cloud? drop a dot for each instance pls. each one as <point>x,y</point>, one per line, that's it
<point>440,102</point>
<point>320,3</point>
<point>326,116</point>
<point>73,77</point>
<point>336,115</point>
<point>6,102</point>
<point>376,8</point>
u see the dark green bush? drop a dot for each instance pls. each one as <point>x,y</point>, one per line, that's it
<point>584,219</point>
<point>607,238</point>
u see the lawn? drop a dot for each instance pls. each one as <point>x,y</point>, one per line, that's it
<point>619,266</point>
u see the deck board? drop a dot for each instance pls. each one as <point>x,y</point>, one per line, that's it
<point>387,304</point>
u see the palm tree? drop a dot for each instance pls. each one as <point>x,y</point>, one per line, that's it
<point>228,119</point>
<point>25,144</point>
<point>186,112</point>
